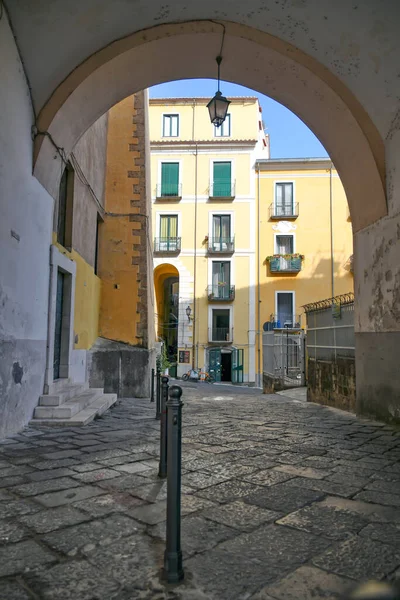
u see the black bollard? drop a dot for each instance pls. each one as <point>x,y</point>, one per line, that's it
<point>152,386</point>
<point>162,469</point>
<point>173,554</point>
<point>158,394</point>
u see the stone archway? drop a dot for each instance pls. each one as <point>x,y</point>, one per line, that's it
<point>252,58</point>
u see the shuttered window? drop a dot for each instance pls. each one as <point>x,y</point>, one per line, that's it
<point>170,179</point>
<point>222,175</point>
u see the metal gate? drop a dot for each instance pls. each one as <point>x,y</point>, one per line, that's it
<point>283,357</point>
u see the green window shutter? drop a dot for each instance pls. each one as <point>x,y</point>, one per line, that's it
<point>222,179</point>
<point>169,179</point>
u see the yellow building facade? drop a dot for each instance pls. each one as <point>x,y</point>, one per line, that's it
<point>241,241</point>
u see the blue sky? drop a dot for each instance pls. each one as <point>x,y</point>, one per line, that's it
<point>289,136</point>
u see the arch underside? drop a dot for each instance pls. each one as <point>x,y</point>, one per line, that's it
<point>252,58</point>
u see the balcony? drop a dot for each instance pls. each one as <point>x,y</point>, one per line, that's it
<point>169,191</point>
<point>279,211</point>
<point>221,292</point>
<point>221,245</point>
<point>169,245</point>
<point>220,334</point>
<point>283,321</point>
<point>285,264</point>
<point>220,190</point>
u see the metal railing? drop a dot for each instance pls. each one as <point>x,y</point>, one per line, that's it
<point>169,190</point>
<point>221,291</point>
<point>280,264</point>
<point>170,245</point>
<point>220,334</point>
<point>278,211</point>
<point>282,321</point>
<point>222,189</point>
<point>221,245</point>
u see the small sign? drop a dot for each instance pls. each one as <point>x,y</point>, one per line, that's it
<point>184,356</point>
<point>336,309</point>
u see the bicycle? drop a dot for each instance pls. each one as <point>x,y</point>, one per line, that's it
<point>198,376</point>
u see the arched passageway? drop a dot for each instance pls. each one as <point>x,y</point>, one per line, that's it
<point>332,65</point>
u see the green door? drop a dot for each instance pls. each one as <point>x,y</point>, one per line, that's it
<point>222,180</point>
<point>214,359</point>
<point>237,365</point>
<point>170,179</point>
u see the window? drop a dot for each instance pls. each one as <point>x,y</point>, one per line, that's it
<point>222,179</point>
<point>221,240</point>
<point>170,125</point>
<point>284,199</point>
<point>221,325</point>
<point>65,208</point>
<point>169,179</point>
<point>225,129</point>
<point>169,240</point>
<point>221,279</point>
<point>284,244</point>
<point>285,309</point>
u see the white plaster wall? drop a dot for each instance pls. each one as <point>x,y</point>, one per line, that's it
<point>26,209</point>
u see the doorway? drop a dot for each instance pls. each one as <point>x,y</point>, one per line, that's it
<point>58,325</point>
<point>226,366</point>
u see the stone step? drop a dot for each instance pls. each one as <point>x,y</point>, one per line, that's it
<point>85,416</point>
<point>70,408</point>
<point>56,399</point>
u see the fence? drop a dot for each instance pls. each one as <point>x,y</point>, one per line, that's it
<point>331,351</point>
<point>283,359</point>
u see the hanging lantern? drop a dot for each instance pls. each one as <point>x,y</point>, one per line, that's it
<point>218,106</point>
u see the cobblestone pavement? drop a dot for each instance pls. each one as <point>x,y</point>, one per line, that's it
<point>281,500</point>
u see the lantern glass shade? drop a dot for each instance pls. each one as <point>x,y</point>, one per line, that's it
<point>218,109</point>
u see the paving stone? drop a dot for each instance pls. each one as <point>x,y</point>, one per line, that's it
<point>344,478</point>
<point>21,557</point>
<point>150,513</point>
<point>6,482</point>
<point>228,491</point>
<point>191,504</point>
<point>56,464</point>
<point>197,534</point>
<point>154,492</point>
<point>12,508</point>
<point>305,583</point>
<point>83,468</point>
<point>239,567</point>
<point>200,480</point>
<point>323,485</point>
<point>283,497</point>
<point>15,470</point>
<point>85,537</point>
<point>11,590</point>
<point>97,475</point>
<point>40,487</point>
<point>267,477</point>
<point>359,559</point>
<point>124,483</point>
<point>135,467</point>
<point>383,532</point>
<point>379,498</point>
<point>240,516</point>
<point>53,518</point>
<point>371,512</point>
<point>49,474</point>
<point>68,496</point>
<point>102,453</point>
<point>387,487</point>
<point>100,506</point>
<point>62,454</point>
<point>11,532</point>
<point>303,471</point>
<point>325,520</point>
<point>121,460</point>
<point>71,581</point>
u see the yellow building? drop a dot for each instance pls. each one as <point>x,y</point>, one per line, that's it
<point>221,210</point>
<point>204,223</point>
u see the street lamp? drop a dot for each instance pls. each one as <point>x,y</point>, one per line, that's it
<point>218,106</point>
<point>188,312</point>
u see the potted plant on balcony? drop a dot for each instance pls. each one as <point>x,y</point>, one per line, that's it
<point>164,362</point>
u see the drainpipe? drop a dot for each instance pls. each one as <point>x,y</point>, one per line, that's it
<point>194,361</point>
<point>331,230</point>
<point>258,282</point>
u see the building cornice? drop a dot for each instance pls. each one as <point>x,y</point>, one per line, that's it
<point>298,164</point>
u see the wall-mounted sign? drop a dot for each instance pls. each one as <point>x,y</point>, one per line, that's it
<point>184,356</point>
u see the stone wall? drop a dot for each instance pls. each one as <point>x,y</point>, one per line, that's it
<point>332,383</point>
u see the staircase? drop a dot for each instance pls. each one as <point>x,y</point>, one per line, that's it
<point>71,404</point>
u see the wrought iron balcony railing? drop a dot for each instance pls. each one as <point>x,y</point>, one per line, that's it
<point>168,245</point>
<point>169,191</point>
<point>222,190</point>
<point>283,211</point>
<point>221,292</point>
<point>220,334</point>
<point>221,245</point>
<point>284,321</point>
<point>281,264</point>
